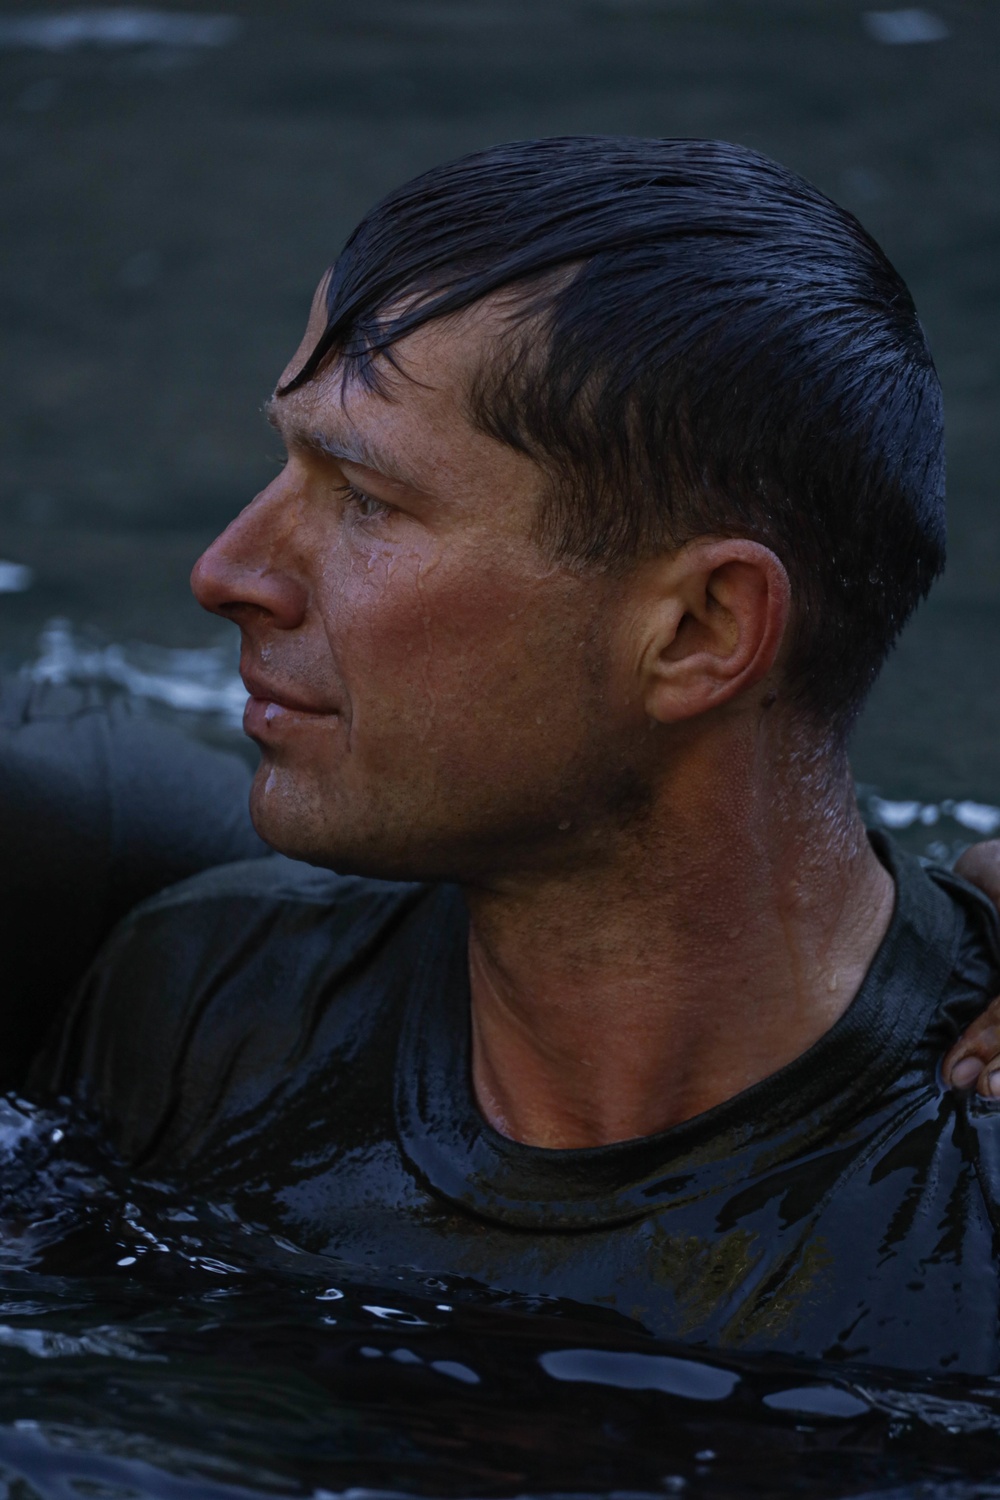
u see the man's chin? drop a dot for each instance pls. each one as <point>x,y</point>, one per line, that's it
<point>299,827</point>
<point>286,822</point>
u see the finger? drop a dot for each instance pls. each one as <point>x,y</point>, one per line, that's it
<point>965,1073</point>
<point>974,1060</point>
<point>970,1056</point>
<point>975,1052</point>
<point>980,865</point>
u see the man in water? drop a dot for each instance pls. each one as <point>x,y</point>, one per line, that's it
<point>614,469</point>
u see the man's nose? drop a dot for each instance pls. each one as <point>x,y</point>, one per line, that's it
<point>243,573</point>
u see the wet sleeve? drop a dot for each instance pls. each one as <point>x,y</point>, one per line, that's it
<point>98,810</point>
<point>207,1000</point>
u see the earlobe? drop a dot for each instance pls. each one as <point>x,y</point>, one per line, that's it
<point>718,626</point>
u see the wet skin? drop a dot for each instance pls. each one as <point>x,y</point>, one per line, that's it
<point>594,758</point>
<point>417,667</point>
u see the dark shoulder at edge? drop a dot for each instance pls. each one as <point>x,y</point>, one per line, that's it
<point>273,879</point>
<point>171,958</point>
<point>975,972</point>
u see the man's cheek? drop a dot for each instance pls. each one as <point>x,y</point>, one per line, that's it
<point>436,631</point>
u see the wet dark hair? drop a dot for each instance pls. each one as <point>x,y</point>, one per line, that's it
<point>699,343</point>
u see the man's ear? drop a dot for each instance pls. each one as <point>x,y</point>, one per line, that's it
<point>714,618</point>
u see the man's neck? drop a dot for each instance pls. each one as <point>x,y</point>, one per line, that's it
<point>713,946</point>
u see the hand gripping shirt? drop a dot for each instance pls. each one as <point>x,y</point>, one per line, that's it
<point>296,1045</point>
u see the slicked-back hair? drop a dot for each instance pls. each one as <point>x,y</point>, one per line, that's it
<point>697,342</point>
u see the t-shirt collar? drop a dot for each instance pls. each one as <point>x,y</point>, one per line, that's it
<point>462,1158</point>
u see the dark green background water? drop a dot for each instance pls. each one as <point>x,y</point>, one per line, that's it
<point>169,209</point>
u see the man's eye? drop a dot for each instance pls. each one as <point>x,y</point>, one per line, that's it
<point>365,505</point>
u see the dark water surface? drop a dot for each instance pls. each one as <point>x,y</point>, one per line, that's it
<point>156,1348</point>
<point>175,185</point>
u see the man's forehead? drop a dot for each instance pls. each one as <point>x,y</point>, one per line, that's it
<point>327,428</point>
<point>420,390</point>
<point>314,330</point>
<point>444,353</point>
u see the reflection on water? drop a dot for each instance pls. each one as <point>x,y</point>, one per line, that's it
<point>901,28</point>
<point>117,26</point>
<point>15,577</point>
<point>151,1347</point>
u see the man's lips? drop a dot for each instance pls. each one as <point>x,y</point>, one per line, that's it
<point>270,705</point>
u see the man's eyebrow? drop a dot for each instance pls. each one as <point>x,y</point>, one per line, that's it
<point>353,448</point>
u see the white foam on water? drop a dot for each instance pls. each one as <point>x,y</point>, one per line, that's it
<point>894,815</point>
<point>118,26</point>
<point>901,28</point>
<point>968,821</point>
<point>15,577</point>
<point>203,680</point>
<point>980,818</point>
<point>641,1372</point>
<point>106,1342</point>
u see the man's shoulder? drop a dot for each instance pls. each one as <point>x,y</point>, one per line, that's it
<point>972,947</point>
<point>270,882</point>
<point>235,937</point>
<point>259,899</point>
<point>224,987</point>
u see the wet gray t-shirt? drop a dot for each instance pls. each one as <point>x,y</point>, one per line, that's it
<point>295,1045</point>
